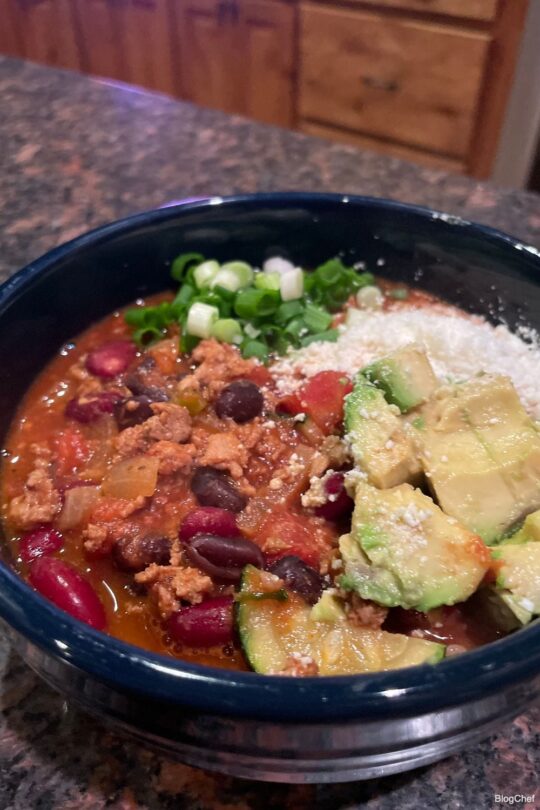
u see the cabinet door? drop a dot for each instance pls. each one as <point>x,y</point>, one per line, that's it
<point>265,34</point>
<point>404,80</point>
<point>48,32</point>
<point>99,25</point>
<point>205,33</point>
<point>10,29</point>
<point>146,43</point>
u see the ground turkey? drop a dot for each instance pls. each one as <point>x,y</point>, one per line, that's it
<point>170,423</point>
<point>218,364</point>
<point>170,585</point>
<point>40,501</point>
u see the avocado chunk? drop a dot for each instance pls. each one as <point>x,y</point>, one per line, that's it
<point>273,631</point>
<point>529,532</point>
<point>378,437</point>
<point>518,578</point>
<point>404,551</point>
<point>405,377</point>
<point>481,454</point>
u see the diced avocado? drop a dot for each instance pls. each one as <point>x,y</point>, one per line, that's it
<point>404,551</point>
<point>481,455</point>
<point>329,608</point>
<point>518,577</point>
<point>529,532</point>
<point>405,377</point>
<point>378,438</point>
<point>272,631</point>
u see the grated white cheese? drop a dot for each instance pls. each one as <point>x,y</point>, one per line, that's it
<point>458,348</point>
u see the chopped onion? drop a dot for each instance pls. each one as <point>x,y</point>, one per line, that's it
<point>369,297</point>
<point>204,274</point>
<point>227,330</point>
<point>78,503</point>
<point>200,319</point>
<point>277,264</point>
<point>131,478</point>
<point>292,284</point>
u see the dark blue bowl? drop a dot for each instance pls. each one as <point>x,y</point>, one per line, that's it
<point>286,729</point>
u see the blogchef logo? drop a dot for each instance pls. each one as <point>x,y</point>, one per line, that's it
<point>517,798</point>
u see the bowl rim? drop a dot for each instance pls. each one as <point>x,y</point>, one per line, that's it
<point>126,667</point>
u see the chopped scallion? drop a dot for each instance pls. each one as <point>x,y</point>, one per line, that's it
<point>201,317</point>
<point>252,303</point>
<point>267,281</point>
<point>183,262</point>
<point>292,284</point>
<point>330,336</point>
<point>205,273</point>
<point>227,330</point>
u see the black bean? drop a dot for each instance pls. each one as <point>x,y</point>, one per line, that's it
<point>223,557</point>
<point>241,400</point>
<point>136,553</point>
<point>132,411</point>
<point>147,381</point>
<point>214,487</point>
<point>299,577</point>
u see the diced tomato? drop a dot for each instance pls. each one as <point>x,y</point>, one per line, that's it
<point>322,398</point>
<point>290,404</point>
<point>260,376</point>
<point>284,533</point>
<point>71,451</point>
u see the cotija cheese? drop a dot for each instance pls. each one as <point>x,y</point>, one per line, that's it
<point>459,347</point>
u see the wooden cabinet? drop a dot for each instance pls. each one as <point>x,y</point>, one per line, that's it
<point>427,80</point>
<point>266,43</point>
<point>238,56</point>
<point>403,80</point>
<point>469,9</point>
<point>127,40</point>
<point>210,64</point>
<point>45,31</point>
<point>10,33</point>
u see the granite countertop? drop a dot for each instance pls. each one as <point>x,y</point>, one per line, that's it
<point>75,153</point>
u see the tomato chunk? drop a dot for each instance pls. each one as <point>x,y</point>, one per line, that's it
<point>321,398</point>
<point>284,534</point>
<point>72,451</point>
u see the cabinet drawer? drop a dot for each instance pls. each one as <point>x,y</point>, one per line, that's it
<point>470,9</point>
<point>407,81</point>
<point>365,143</point>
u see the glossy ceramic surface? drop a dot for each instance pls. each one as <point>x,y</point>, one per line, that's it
<point>326,729</point>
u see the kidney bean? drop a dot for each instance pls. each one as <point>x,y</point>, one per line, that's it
<point>203,625</point>
<point>214,487</point>
<point>111,359</point>
<point>136,553</point>
<point>66,587</point>
<point>132,411</point>
<point>223,557</point>
<point>299,577</point>
<point>147,381</point>
<point>339,503</point>
<point>89,408</point>
<point>241,400</point>
<point>39,542</point>
<point>209,520</point>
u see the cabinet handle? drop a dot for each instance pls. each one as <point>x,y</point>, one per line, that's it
<point>390,85</point>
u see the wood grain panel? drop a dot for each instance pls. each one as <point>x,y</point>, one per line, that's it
<point>205,36</point>
<point>99,24</point>
<point>10,29</point>
<point>403,80</point>
<point>382,147</point>
<point>469,9</point>
<point>145,36</point>
<point>266,42</point>
<point>48,33</point>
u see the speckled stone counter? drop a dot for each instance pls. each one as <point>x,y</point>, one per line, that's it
<point>75,153</point>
